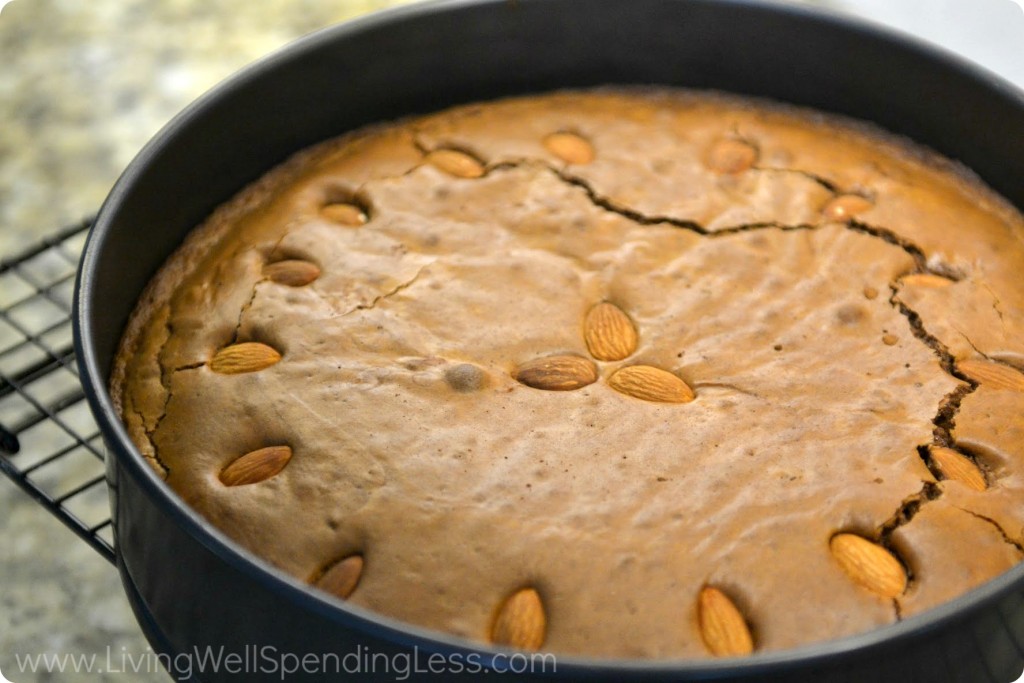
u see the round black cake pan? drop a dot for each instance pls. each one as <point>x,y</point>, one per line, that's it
<point>194,589</point>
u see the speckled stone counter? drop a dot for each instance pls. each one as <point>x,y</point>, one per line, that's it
<point>83,85</point>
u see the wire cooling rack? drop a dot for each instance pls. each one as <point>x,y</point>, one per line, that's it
<point>49,443</point>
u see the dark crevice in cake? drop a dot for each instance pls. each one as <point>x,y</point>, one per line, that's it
<point>820,180</point>
<point>165,383</point>
<point>609,205</point>
<point>361,190</point>
<point>907,510</point>
<point>971,343</point>
<point>245,308</point>
<point>151,435</point>
<point>273,253</point>
<point>381,297</point>
<point>420,147</point>
<point>1016,543</point>
<point>996,303</point>
<point>945,419</point>
<point>327,299</point>
<point>991,359</point>
<point>924,453</point>
<point>766,225</point>
<point>158,465</point>
<point>891,237</point>
<point>946,358</point>
<point>601,201</point>
<point>897,608</point>
<point>635,216</point>
<point>513,164</point>
<point>155,462</point>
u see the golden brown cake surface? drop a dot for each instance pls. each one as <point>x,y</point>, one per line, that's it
<point>623,373</point>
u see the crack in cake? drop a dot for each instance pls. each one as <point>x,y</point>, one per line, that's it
<point>620,373</point>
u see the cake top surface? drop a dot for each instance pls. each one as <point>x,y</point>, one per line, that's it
<point>616,348</point>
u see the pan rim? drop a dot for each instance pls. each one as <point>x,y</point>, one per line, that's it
<point>130,459</point>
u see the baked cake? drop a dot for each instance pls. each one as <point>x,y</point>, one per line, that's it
<point>630,373</point>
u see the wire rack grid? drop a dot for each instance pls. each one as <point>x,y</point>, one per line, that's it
<point>50,445</point>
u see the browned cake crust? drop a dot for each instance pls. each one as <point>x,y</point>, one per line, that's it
<point>796,415</point>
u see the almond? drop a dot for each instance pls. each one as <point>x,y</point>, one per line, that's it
<point>869,565</point>
<point>570,148</point>
<point>731,156</point>
<point>651,384</point>
<point>992,375</point>
<point>520,622</point>
<point>846,206</point>
<point>244,357</point>
<point>341,577</point>
<point>958,467</point>
<point>557,373</point>
<point>256,466</point>
<point>293,272</point>
<point>609,332</point>
<point>456,163</point>
<point>345,214</point>
<point>925,280</point>
<point>723,628</point>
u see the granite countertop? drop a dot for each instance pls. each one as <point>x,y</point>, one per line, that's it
<point>83,85</point>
